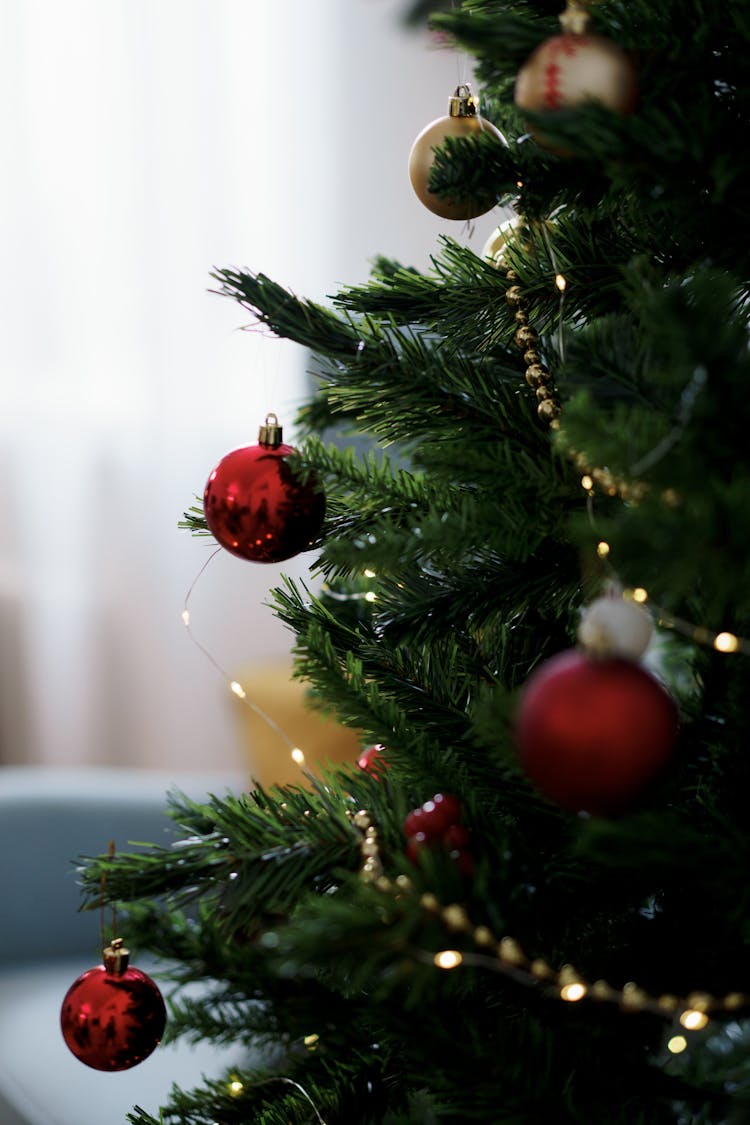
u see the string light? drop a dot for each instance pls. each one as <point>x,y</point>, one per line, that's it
<point>235,1087</point>
<point>677,1044</point>
<point>602,549</point>
<point>587,482</point>
<point>726,642</point>
<point>693,1020</point>
<point>369,573</point>
<point>371,596</point>
<point>235,686</point>
<point>560,282</point>
<point>448,959</point>
<point>508,957</point>
<point>573,992</point>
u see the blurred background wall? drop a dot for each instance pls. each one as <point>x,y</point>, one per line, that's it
<point>145,141</point>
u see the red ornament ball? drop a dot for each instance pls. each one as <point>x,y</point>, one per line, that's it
<point>257,508</point>
<point>593,733</point>
<point>437,824</point>
<point>434,817</point>
<point>112,1019</point>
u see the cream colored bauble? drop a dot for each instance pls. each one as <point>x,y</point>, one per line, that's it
<point>494,248</point>
<point>568,70</point>
<point>462,121</point>
<point>612,627</point>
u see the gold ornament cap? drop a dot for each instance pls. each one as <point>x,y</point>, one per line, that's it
<point>575,19</point>
<point>270,433</point>
<point>116,957</point>
<point>463,103</point>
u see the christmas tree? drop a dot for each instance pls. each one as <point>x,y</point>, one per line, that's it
<point>527,902</point>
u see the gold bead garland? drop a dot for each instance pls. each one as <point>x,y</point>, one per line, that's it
<point>537,375</point>
<point>505,955</point>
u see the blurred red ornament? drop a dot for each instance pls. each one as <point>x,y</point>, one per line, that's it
<point>256,507</point>
<point>592,734</point>
<point>371,760</point>
<point>436,823</point>
<point>113,1016</point>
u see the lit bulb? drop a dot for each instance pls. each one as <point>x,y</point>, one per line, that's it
<point>186,617</point>
<point>602,549</point>
<point>560,282</point>
<point>693,1020</point>
<point>369,573</point>
<point>587,482</point>
<point>371,596</point>
<point>726,642</point>
<point>573,992</point>
<point>640,595</point>
<point>677,1044</point>
<point>448,959</point>
<point>238,689</point>
<point>235,1088</point>
<point>298,756</point>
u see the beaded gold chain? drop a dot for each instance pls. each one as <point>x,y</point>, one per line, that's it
<point>505,955</point>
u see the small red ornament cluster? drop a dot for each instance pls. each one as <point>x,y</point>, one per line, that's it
<point>437,824</point>
<point>256,507</point>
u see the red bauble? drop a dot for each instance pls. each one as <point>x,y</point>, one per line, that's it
<point>434,817</point>
<point>113,1016</point>
<point>257,508</point>
<point>436,824</point>
<point>593,733</point>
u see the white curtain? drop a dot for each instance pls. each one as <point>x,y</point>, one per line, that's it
<point>144,142</point>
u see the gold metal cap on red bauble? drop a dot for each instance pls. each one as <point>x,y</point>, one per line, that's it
<point>462,120</point>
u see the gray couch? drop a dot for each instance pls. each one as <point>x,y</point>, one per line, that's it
<point>47,819</point>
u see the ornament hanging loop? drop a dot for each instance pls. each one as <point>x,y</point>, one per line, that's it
<point>102,889</point>
<point>270,433</point>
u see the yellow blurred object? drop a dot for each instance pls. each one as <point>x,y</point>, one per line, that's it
<point>285,700</point>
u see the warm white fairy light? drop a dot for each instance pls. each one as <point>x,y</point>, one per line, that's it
<point>186,617</point>
<point>235,1087</point>
<point>371,596</point>
<point>448,959</point>
<point>573,992</point>
<point>238,689</point>
<point>587,482</point>
<point>298,756</point>
<point>369,573</point>
<point>726,642</point>
<point>677,1044</point>
<point>560,282</point>
<point>693,1020</point>
<point>602,549</point>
